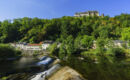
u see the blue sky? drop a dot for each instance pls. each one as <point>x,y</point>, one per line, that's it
<point>10,9</point>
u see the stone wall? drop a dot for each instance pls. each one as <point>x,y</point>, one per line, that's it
<point>34,53</point>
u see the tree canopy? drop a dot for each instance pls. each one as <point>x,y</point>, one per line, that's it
<point>34,30</point>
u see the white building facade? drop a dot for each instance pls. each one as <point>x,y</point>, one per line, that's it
<point>40,46</point>
<point>89,13</point>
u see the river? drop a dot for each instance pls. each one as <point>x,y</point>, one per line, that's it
<point>102,69</point>
<point>23,67</point>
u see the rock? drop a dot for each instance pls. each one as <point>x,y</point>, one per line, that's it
<point>66,73</point>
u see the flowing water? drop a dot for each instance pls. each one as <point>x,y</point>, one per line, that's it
<point>103,68</point>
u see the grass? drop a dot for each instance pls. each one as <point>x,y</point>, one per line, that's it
<point>89,52</point>
<point>115,52</point>
<point>4,78</point>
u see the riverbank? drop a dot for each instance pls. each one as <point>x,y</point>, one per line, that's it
<point>66,73</point>
<point>104,69</point>
<point>85,64</point>
<point>8,53</point>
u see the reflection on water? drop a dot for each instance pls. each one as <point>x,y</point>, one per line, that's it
<point>100,68</point>
<point>22,65</point>
<point>105,68</point>
<point>25,62</point>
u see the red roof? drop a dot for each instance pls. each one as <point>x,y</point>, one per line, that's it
<point>35,44</point>
<point>41,43</point>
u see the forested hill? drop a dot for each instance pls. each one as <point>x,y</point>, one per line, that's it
<point>36,30</point>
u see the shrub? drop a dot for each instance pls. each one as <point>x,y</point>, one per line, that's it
<point>100,44</point>
<point>54,49</point>
<point>7,51</point>
<point>117,52</point>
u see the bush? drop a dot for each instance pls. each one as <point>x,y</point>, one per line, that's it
<point>100,44</point>
<point>127,51</point>
<point>54,49</point>
<point>35,53</point>
<point>90,52</point>
<point>7,51</point>
<point>117,52</point>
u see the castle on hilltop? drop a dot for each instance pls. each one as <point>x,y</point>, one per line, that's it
<point>88,13</point>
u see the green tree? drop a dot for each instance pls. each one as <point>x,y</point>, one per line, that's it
<point>54,49</point>
<point>104,32</point>
<point>62,51</point>
<point>100,44</point>
<point>69,45</point>
<point>7,51</point>
<point>126,34</point>
<point>87,41</point>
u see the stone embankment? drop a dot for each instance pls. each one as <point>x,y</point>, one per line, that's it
<point>33,53</point>
<point>66,73</point>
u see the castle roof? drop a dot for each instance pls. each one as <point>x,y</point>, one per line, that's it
<point>87,12</point>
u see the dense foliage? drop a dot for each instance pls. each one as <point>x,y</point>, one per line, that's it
<point>74,33</point>
<point>36,30</point>
<point>7,51</point>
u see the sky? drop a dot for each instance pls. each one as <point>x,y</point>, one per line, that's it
<point>48,9</point>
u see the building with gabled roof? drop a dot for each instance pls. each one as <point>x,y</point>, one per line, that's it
<point>41,46</point>
<point>88,13</point>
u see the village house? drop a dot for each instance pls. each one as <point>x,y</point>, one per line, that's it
<point>46,44</point>
<point>116,43</point>
<point>33,46</point>
<point>24,46</point>
<point>20,45</point>
<point>88,13</point>
<point>120,43</point>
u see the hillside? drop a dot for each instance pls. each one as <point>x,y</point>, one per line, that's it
<point>34,30</point>
<point>66,73</point>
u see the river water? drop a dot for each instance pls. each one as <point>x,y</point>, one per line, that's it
<point>102,69</point>
<point>15,69</point>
